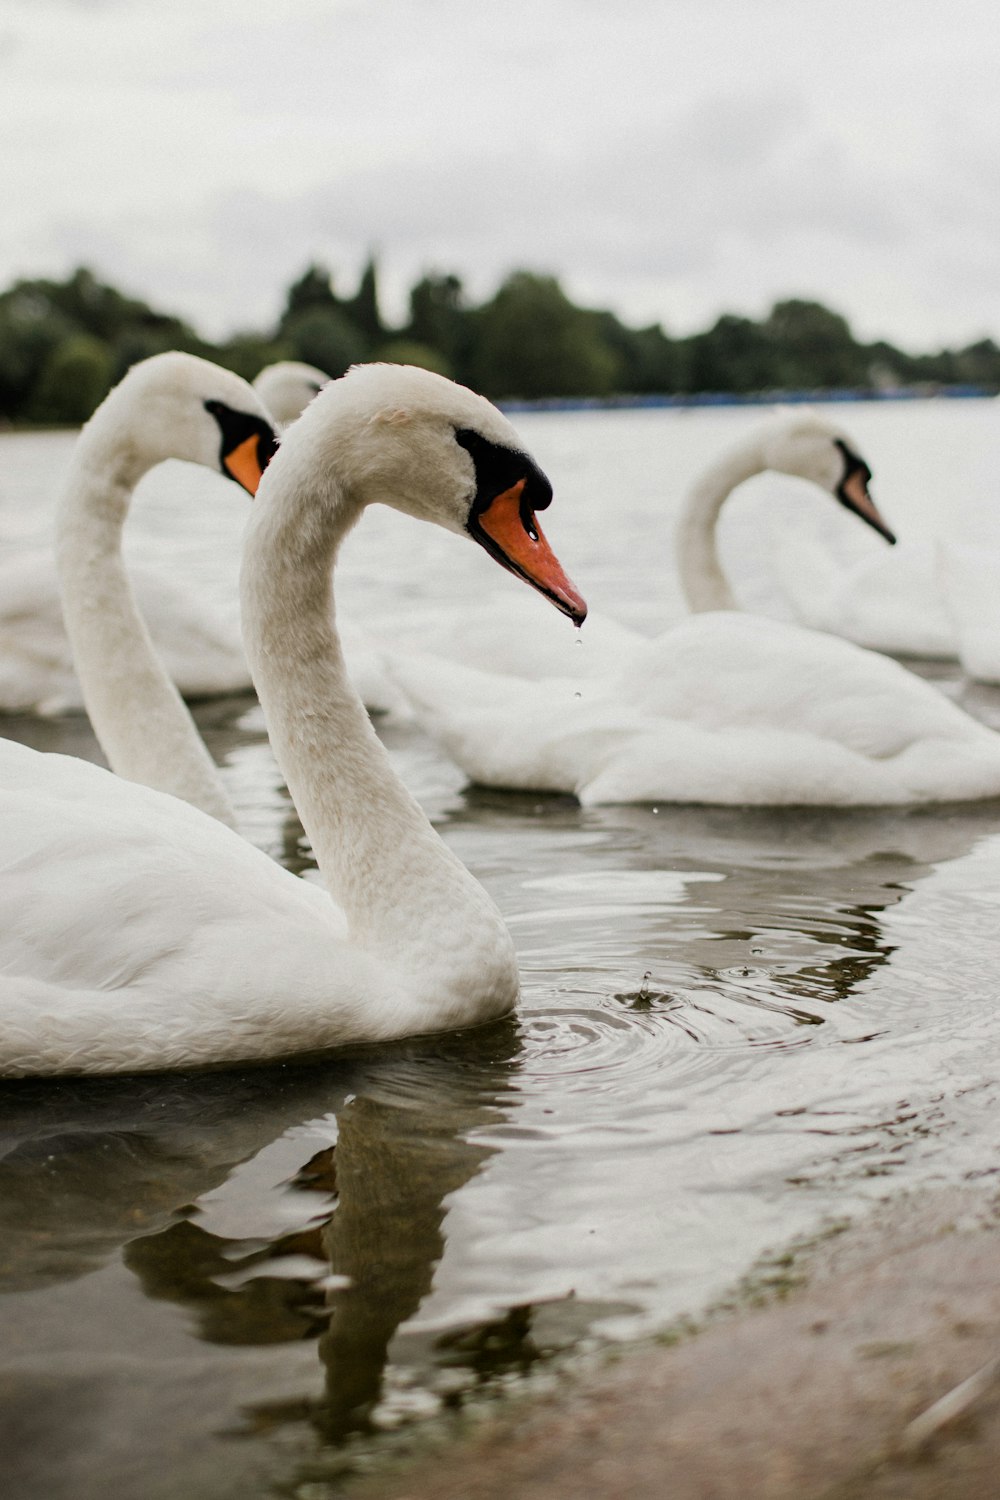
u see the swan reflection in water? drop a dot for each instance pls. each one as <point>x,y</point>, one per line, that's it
<point>276,1205</point>
<point>399,1141</point>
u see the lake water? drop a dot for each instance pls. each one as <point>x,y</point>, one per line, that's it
<point>735,1028</point>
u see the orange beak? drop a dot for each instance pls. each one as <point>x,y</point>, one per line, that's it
<point>243,463</point>
<point>515,539</point>
<point>854,494</point>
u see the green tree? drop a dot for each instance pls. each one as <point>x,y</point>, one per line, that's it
<point>76,378</point>
<point>326,338</point>
<point>979,364</point>
<point>313,291</point>
<point>362,308</point>
<point>735,354</point>
<point>132,328</point>
<point>30,331</point>
<point>37,316</point>
<point>531,341</point>
<point>813,346</point>
<point>649,362</point>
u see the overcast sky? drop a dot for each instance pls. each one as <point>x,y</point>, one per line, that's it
<point>669,159</point>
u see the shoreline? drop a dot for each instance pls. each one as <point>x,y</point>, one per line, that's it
<point>805,1383</point>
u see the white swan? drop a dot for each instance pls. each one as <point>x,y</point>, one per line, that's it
<point>528,644</point>
<point>721,708</point>
<point>156,412</point>
<point>137,933</point>
<point>929,597</point>
<point>934,598</point>
<point>170,405</point>
<point>286,388</point>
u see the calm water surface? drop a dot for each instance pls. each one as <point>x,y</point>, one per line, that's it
<point>735,1027</point>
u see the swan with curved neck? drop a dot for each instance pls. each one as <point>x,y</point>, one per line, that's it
<point>136,933</point>
<point>156,412</point>
<point>722,707</point>
<point>170,406</point>
<point>804,445</point>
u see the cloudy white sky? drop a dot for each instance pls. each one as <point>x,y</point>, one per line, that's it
<point>670,159</point>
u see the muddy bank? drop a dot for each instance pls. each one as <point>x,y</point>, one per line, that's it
<point>806,1385</point>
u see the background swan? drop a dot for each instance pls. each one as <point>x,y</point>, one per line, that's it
<point>170,405</point>
<point>528,644</point>
<point>722,707</point>
<point>932,596</point>
<point>155,413</point>
<point>197,640</point>
<point>136,933</point>
<point>286,388</point>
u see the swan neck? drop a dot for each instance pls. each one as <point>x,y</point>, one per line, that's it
<point>138,716</point>
<point>405,895</point>
<point>702,577</point>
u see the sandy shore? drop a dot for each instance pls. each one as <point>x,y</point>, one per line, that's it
<point>809,1387</point>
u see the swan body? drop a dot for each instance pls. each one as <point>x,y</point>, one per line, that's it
<point>722,708</point>
<point>156,412</point>
<point>286,388</point>
<point>136,933</point>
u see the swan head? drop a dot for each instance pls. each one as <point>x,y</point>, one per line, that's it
<point>176,405</point>
<point>286,388</point>
<point>808,446</point>
<point>406,437</point>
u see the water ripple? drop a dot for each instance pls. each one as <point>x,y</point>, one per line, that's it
<point>621,1042</point>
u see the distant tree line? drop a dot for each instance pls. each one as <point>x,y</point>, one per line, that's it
<point>64,344</point>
